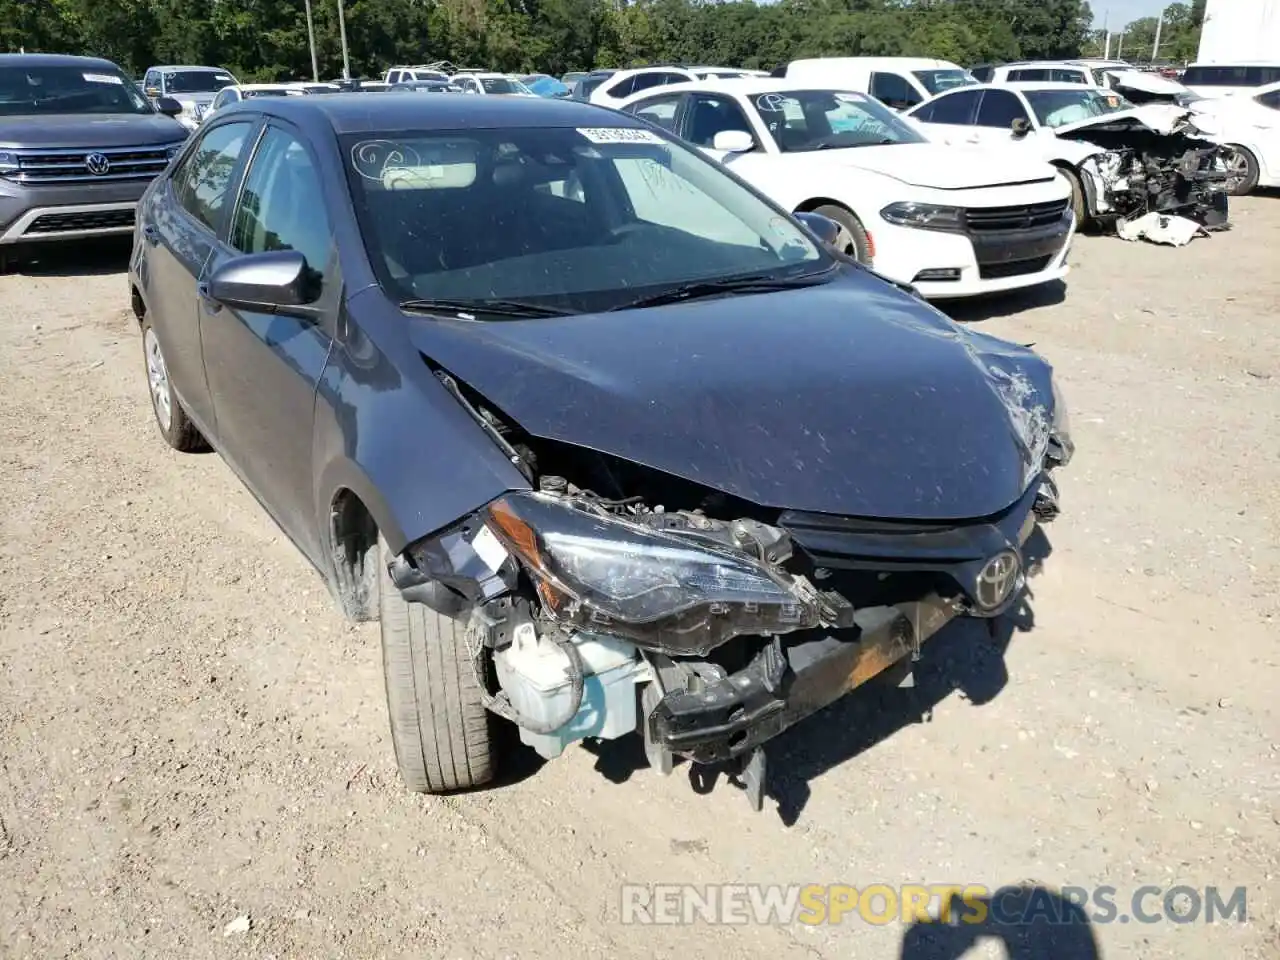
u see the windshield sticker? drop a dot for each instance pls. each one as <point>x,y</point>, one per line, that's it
<point>619,135</point>
<point>851,97</point>
<point>102,78</point>
<point>772,102</point>
<point>372,158</point>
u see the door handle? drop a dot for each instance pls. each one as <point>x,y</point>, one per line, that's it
<point>210,305</point>
<point>151,233</point>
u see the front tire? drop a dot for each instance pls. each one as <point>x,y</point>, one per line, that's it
<point>1079,202</point>
<point>442,734</point>
<point>175,426</point>
<point>1242,170</point>
<point>853,240</point>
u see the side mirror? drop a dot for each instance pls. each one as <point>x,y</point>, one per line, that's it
<point>276,282</point>
<point>169,106</point>
<point>824,228</point>
<point>733,141</point>
<point>1020,128</point>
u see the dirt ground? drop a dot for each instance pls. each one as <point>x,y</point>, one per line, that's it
<point>190,734</point>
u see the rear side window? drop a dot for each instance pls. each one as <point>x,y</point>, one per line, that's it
<point>660,111</point>
<point>955,108</point>
<point>893,90</point>
<point>1000,108</point>
<point>1029,76</point>
<point>201,182</point>
<point>1271,99</point>
<point>1231,76</point>
<point>278,208</point>
<point>983,74</point>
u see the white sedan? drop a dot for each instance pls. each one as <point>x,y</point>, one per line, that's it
<point>952,222</point>
<point>1250,127</point>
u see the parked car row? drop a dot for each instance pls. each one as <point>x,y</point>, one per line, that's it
<point>608,441</point>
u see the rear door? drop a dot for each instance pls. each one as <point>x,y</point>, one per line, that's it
<point>950,118</point>
<point>263,368</point>
<point>179,230</point>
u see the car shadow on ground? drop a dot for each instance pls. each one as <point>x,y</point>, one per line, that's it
<point>73,259</point>
<point>991,306</point>
<point>966,657</point>
<point>1029,922</point>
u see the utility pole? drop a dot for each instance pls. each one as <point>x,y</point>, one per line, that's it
<point>311,41</point>
<point>342,30</point>
<point>1106,29</point>
<point>1120,48</point>
<point>1155,47</point>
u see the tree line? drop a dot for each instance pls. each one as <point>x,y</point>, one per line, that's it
<point>263,40</point>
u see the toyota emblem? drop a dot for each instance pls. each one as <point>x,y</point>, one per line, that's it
<point>996,582</point>
<point>99,164</point>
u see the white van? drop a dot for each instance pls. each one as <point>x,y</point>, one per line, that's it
<point>897,82</point>
<point>1229,79</point>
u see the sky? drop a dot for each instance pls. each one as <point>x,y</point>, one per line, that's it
<point>1122,11</point>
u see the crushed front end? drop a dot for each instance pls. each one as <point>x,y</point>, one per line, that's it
<point>1164,169</point>
<point>702,623</point>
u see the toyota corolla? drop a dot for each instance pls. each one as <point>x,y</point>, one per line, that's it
<point>607,442</point>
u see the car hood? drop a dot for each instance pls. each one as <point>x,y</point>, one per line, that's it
<point>201,99</point>
<point>79,130</point>
<point>941,167</point>
<point>850,398</point>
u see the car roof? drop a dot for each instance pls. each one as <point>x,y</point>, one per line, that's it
<point>194,68</point>
<point>1040,85</point>
<point>1044,65</point>
<point>356,113</point>
<point>52,60</point>
<point>906,63</point>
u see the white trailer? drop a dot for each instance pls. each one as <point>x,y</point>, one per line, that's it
<point>1240,31</point>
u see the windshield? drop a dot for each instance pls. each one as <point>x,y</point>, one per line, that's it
<point>196,81</point>
<point>1053,108</point>
<point>571,219</point>
<point>267,92</point>
<point>502,85</point>
<point>802,120</point>
<point>935,81</point>
<point>47,90</point>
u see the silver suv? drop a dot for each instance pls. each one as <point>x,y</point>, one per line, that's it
<point>193,87</point>
<point>78,146</point>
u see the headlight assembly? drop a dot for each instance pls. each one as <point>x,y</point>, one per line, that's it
<point>662,592</point>
<point>925,216</point>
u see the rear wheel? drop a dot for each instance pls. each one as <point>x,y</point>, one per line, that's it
<point>441,732</point>
<point>852,240</point>
<point>1242,170</point>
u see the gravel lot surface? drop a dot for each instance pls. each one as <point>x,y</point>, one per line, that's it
<point>190,735</point>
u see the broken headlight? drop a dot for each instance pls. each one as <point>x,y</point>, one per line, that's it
<point>661,591</point>
<point>925,216</point>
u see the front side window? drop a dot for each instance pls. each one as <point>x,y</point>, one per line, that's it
<point>1054,108</point>
<point>570,219</point>
<point>42,91</point>
<point>660,111</point>
<point>201,182</point>
<point>710,115</point>
<point>999,109</point>
<point>196,81</point>
<point>804,120</point>
<point>1271,99</point>
<point>503,85</point>
<point>894,90</point>
<point>936,81</point>
<point>279,206</point>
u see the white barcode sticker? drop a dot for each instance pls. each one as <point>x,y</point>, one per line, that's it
<point>619,135</point>
<point>103,78</point>
<point>488,549</point>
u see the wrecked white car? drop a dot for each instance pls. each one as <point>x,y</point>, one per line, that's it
<point>1125,163</point>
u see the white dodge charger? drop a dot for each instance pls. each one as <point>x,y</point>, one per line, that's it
<point>952,221</point>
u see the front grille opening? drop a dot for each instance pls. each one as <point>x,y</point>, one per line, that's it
<point>1016,268</point>
<point>66,166</point>
<point>96,220</point>
<point>1027,216</point>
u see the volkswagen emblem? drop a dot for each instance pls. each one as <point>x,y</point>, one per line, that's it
<point>996,583</point>
<point>99,164</point>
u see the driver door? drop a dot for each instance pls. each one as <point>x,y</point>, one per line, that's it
<point>950,118</point>
<point>996,115</point>
<point>707,114</point>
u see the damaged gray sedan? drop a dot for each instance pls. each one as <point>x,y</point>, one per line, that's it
<point>608,443</point>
